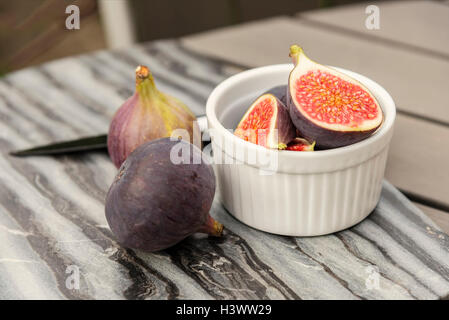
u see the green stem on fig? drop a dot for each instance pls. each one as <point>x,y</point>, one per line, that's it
<point>211,227</point>
<point>295,52</point>
<point>145,85</point>
<point>282,146</point>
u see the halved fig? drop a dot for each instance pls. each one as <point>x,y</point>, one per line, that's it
<point>267,123</point>
<point>300,144</point>
<point>328,106</point>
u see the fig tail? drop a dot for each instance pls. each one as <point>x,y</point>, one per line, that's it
<point>212,227</point>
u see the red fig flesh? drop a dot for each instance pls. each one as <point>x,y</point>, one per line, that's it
<point>300,144</point>
<point>328,106</point>
<point>149,114</point>
<point>162,194</point>
<point>266,123</point>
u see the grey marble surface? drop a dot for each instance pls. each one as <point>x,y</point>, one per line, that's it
<point>52,208</point>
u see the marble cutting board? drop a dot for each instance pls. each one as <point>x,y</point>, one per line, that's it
<point>53,229</point>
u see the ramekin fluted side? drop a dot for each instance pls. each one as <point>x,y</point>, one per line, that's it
<point>297,193</point>
<point>302,204</point>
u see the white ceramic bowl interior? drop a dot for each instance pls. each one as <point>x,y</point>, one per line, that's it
<point>287,192</point>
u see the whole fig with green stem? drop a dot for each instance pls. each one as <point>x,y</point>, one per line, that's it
<point>147,115</point>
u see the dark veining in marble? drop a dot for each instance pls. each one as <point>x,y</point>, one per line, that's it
<point>356,254</point>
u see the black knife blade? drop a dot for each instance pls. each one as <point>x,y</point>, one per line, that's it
<point>79,145</point>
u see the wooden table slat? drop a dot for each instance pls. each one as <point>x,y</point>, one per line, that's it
<point>420,24</point>
<point>417,160</point>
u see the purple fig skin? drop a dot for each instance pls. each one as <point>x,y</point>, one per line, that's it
<point>279,92</point>
<point>148,115</point>
<point>119,148</point>
<point>154,203</point>
<point>285,126</point>
<point>325,138</point>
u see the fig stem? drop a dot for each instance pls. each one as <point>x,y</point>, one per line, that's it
<point>295,52</point>
<point>282,146</point>
<point>211,227</point>
<point>145,85</point>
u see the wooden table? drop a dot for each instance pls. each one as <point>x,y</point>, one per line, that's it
<point>52,224</point>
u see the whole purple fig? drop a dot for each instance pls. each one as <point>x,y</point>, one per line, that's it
<point>147,115</point>
<point>162,193</point>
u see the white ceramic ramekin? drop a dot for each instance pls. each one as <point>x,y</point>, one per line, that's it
<point>288,192</point>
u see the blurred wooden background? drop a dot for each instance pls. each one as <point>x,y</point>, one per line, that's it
<point>33,31</point>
